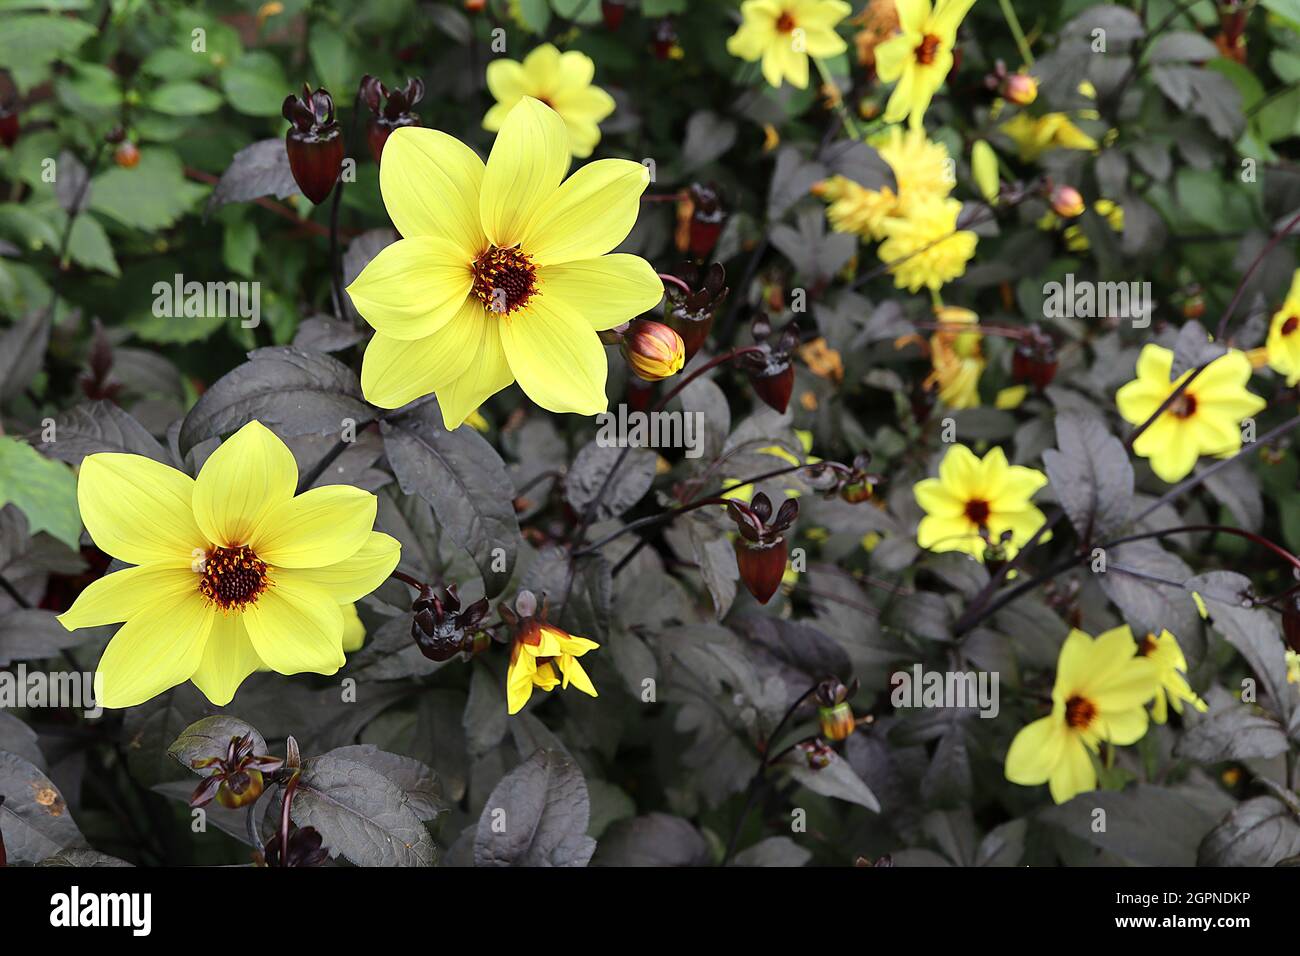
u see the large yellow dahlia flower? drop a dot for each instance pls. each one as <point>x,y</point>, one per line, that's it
<point>784,33</point>
<point>919,57</point>
<point>502,273</point>
<point>560,80</point>
<point>232,572</point>
<point>1283,344</point>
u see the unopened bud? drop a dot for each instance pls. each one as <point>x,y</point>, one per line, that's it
<point>653,350</point>
<point>1019,88</point>
<point>984,167</point>
<point>1067,202</point>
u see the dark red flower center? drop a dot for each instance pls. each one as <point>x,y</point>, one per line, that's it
<point>1291,324</point>
<point>232,577</point>
<point>977,510</point>
<point>504,279</point>
<point>1147,646</point>
<point>1184,406</point>
<point>1080,712</point>
<point>927,50</point>
<point>785,23</point>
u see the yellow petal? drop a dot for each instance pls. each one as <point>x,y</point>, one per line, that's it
<point>354,632</point>
<point>1074,774</point>
<point>487,374</point>
<point>137,509</point>
<point>355,577</point>
<point>296,626</point>
<point>589,215</point>
<point>396,371</point>
<point>528,161</point>
<point>251,473</point>
<point>319,527</point>
<point>557,357</point>
<point>506,82</point>
<point>1035,751</point>
<point>519,682</point>
<point>1123,727</point>
<point>431,182</point>
<point>606,291</point>
<point>228,658</point>
<point>125,594</point>
<point>575,675</point>
<point>936,499</point>
<point>413,288</point>
<point>153,651</point>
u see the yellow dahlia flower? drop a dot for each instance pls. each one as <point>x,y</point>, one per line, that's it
<point>1034,135</point>
<point>925,249</point>
<point>538,652</point>
<point>919,57</point>
<point>502,273</point>
<point>560,80</point>
<point>1171,675</point>
<point>854,208</point>
<point>957,358</point>
<point>784,33</point>
<point>973,498</point>
<point>1203,420</point>
<point>1283,343</point>
<point>1100,691</point>
<point>233,570</point>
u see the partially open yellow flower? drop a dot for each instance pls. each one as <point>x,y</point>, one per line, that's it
<point>539,651</point>
<point>1204,420</point>
<point>502,273</point>
<point>560,80</point>
<point>234,571</point>
<point>957,358</point>
<point>974,499</point>
<point>1283,343</point>
<point>854,208</point>
<point>784,33</point>
<point>926,249</point>
<point>919,58</point>
<point>1171,675</point>
<point>1100,691</point>
<point>1034,135</point>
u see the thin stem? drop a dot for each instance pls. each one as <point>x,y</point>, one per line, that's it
<point>672,279</point>
<point>1241,286</point>
<point>661,518</point>
<point>1014,23</point>
<point>336,259</point>
<point>850,125</point>
<point>407,579</point>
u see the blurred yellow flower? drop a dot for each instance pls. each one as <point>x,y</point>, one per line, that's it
<point>1100,692</point>
<point>1171,673</point>
<point>560,80</point>
<point>784,33</point>
<point>926,249</point>
<point>918,59</point>
<point>973,498</point>
<point>1283,343</point>
<point>854,208</point>
<point>957,358</point>
<point>1034,135</point>
<point>1204,420</point>
<point>503,273</point>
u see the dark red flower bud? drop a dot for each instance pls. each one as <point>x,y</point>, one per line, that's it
<point>390,109</point>
<point>304,849</point>
<point>653,351</point>
<point>761,549</point>
<point>665,38</point>
<point>8,125</point>
<point>858,485</point>
<point>691,314</point>
<point>1291,622</point>
<point>771,371</point>
<point>1034,359</point>
<point>314,143</point>
<point>441,629</point>
<point>613,11</point>
<point>704,220</point>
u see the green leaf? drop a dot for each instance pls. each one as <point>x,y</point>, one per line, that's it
<point>256,85</point>
<point>151,196</point>
<point>184,99</point>
<point>89,246</point>
<point>332,59</point>
<point>29,43</point>
<point>577,11</point>
<point>43,489</point>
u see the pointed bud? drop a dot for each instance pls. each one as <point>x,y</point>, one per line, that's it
<point>762,566</point>
<point>314,143</point>
<point>653,351</point>
<point>1019,88</point>
<point>984,167</point>
<point>1067,202</point>
<point>691,314</point>
<point>775,388</point>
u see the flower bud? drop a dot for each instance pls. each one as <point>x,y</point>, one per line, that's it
<point>390,109</point>
<point>984,167</point>
<point>665,39</point>
<point>762,566</point>
<point>127,154</point>
<point>612,11</point>
<point>761,549</point>
<point>304,848</point>
<point>8,125</point>
<point>1034,359</point>
<point>691,314</point>
<point>1019,88</point>
<point>1291,622</point>
<point>856,492</point>
<point>816,752</point>
<point>240,789</point>
<point>314,143</point>
<point>700,220</point>
<point>1194,306</point>
<point>441,629</point>
<point>834,714</point>
<point>1066,202</point>
<point>771,372</point>
<point>653,351</point>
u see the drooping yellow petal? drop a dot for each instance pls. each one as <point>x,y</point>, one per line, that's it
<point>519,681</point>
<point>296,626</point>
<point>394,371</point>
<point>589,215</point>
<point>320,527</point>
<point>528,161</point>
<point>125,594</point>
<point>487,374</point>
<point>137,509</point>
<point>153,651</point>
<point>251,473</point>
<point>354,632</point>
<point>556,357</point>
<point>355,577</point>
<point>228,658</point>
<point>575,675</point>
<point>606,291</point>
<point>1035,751</point>
<point>413,288</point>
<point>430,183</point>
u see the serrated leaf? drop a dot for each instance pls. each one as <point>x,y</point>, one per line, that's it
<point>43,489</point>
<point>260,169</point>
<point>837,779</point>
<point>536,816</point>
<point>1091,475</point>
<point>34,818</point>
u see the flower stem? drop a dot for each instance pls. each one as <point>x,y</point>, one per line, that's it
<point>850,125</point>
<point>1013,22</point>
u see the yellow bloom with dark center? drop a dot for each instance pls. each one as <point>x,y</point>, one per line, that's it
<point>233,570</point>
<point>1171,675</point>
<point>538,653</point>
<point>1100,692</point>
<point>504,272</point>
<point>1283,343</point>
<point>1204,420</point>
<point>919,57</point>
<point>926,249</point>
<point>978,498</point>
<point>784,33</point>
<point>560,80</point>
<point>1034,135</point>
<point>957,358</point>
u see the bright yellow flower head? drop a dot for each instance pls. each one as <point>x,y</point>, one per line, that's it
<point>560,80</point>
<point>233,571</point>
<point>1203,420</point>
<point>957,358</point>
<point>925,249</point>
<point>854,208</point>
<point>1283,344</point>
<point>1171,675</point>
<point>922,167</point>
<point>502,273</point>
<point>1100,691</point>
<point>919,57</point>
<point>784,33</point>
<point>538,652</point>
<point>1034,135</point>
<point>973,497</point>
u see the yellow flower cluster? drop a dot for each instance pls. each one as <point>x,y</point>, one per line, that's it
<point>957,358</point>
